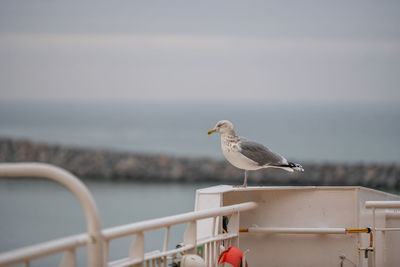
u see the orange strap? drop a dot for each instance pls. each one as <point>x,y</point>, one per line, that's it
<point>355,231</point>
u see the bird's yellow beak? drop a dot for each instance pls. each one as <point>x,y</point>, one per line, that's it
<point>211,131</point>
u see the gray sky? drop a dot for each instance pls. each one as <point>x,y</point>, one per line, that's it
<point>187,50</point>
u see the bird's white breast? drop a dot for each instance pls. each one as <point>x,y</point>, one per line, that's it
<point>231,151</point>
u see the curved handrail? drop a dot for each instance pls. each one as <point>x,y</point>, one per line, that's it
<point>71,182</point>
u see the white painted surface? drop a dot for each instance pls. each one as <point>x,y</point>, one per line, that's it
<point>321,213</point>
<point>209,199</point>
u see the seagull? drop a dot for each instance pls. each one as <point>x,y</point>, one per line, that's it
<point>249,155</point>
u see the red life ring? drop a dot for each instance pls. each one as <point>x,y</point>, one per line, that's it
<point>231,257</point>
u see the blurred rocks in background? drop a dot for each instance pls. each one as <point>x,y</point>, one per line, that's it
<point>113,166</point>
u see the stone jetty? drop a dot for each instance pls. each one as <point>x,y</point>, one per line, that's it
<point>123,166</point>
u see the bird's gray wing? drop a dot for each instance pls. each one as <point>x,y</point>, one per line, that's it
<point>259,153</point>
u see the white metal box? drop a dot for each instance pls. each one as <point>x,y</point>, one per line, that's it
<point>307,207</point>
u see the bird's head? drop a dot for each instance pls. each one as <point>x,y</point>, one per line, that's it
<point>223,127</point>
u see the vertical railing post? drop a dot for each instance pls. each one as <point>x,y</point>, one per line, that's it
<point>190,236</point>
<point>68,259</point>
<point>106,251</point>
<point>374,236</point>
<point>166,238</point>
<point>213,243</point>
<point>165,247</point>
<point>233,227</point>
<point>137,248</point>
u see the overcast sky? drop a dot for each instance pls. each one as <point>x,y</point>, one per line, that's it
<point>191,50</point>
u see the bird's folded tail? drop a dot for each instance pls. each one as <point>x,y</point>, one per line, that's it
<point>290,167</point>
<point>296,167</point>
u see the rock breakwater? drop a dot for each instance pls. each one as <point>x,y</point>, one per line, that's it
<point>113,165</point>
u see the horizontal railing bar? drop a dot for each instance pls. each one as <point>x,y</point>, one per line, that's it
<point>155,255</point>
<point>43,249</point>
<point>129,229</point>
<point>393,215</point>
<point>387,229</point>
<point>289,230</point>
<point>124,260</point>
<point>148,256</point>
<point>217,238</point>
<point>382,204</point>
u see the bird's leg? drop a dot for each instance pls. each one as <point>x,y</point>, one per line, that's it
<point>245,181</point>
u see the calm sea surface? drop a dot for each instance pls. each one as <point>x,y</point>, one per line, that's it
<point>37,211</point>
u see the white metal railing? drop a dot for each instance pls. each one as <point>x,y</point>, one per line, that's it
<point>371,250</point>
<point>98,240</point>
<point>297,230</point>
<point>27,254</point>
<point>190,241</point>
<point>374,205</point>
<point>94,239</point>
